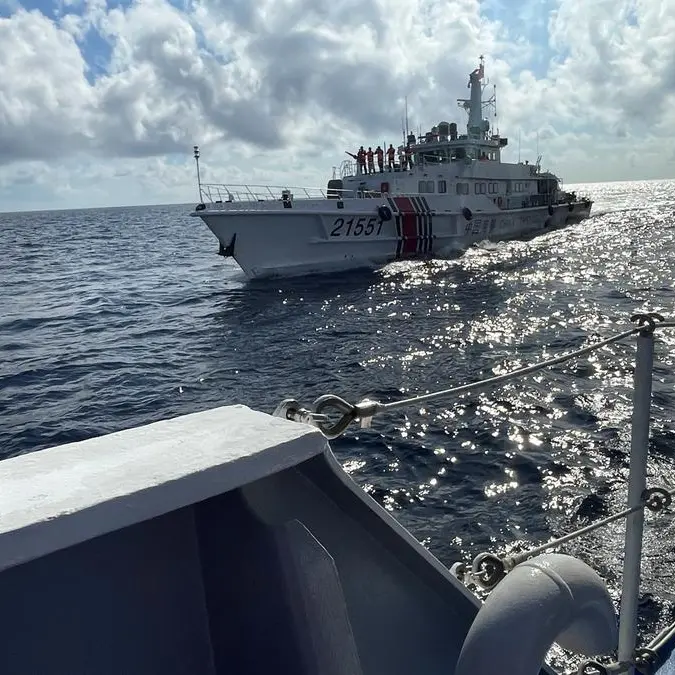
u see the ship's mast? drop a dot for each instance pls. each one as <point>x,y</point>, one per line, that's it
<point>476,105</point>
<point>475,127</point>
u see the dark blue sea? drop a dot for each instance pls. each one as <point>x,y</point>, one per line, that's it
<point>111,318</point>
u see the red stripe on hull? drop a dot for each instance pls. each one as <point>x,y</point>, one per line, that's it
<point>408,225</point>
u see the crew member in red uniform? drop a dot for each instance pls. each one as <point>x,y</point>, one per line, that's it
<point>408,156</point>
<point>391,156</point>
<point>371,164</point>
<point>361,160</point>
<point>380,158</point>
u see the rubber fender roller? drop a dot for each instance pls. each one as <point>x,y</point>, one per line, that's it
<point>551,598</point>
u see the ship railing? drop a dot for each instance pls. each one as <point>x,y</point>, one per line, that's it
<point>220,192</point>
<point>348,168</point>
<point>352,171</point>
<point>217,193</point>
<point>333,415</point>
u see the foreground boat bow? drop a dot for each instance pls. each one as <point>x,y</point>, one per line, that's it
<point>231,541</point>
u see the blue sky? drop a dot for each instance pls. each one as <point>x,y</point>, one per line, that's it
<point>102,101</point>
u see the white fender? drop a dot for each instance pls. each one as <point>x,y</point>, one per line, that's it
<point>551,598</point>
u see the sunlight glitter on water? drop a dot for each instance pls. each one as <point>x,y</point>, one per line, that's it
<point>164,327</point>
<point>561,435</point>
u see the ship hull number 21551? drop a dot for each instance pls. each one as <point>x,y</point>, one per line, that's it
<point>356,227</point>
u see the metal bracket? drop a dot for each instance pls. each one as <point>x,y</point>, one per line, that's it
<point>592,668</point>
<point>487,570</point>
<point>647,322</point>
<point>657,498</point>
<point>362,412</point>
<point>290,409</point>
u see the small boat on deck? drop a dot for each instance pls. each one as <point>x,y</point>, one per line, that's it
<point>446,192</point>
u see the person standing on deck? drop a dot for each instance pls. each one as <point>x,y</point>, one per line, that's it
<point>380,158</point>
<point>401,158</point>
<point>371,164</point>
<point>391,156</point>
<point>408,156</point>
<point>361,160</point>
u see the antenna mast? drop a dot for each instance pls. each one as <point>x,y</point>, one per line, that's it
<point>474,104</point>
<point>407,130</point>
<point>494,98</point>
<point>199,180</point>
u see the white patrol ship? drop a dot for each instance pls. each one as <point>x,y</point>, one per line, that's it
<point>456,193</point>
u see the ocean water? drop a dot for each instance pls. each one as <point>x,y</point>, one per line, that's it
<point>111,318</point>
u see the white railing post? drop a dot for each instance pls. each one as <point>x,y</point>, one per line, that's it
<point>637,482</point>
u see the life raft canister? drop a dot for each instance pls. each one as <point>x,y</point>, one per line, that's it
<point>384,213</point>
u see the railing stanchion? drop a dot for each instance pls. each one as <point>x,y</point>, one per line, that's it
<point>637,482</point>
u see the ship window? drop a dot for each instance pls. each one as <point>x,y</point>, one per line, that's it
<point>462,188</point>
<point>480,188</point>
<point>422,187</point>
<point>442,186</point>
<point>430,186</point>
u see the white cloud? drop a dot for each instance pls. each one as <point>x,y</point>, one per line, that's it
<point>276,90</point>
